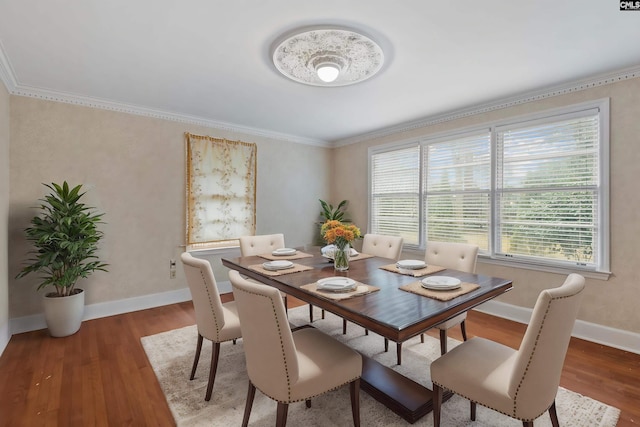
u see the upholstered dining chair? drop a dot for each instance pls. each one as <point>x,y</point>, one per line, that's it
<point>456,256</point>
<point>289,366</point>
<point>262,244</point>
<point>216,322</point>
<point>258,245</point>
<point>519,383</point>
<point>381,246</point>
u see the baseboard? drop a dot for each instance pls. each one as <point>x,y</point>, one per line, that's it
<point>616,338</point>
<point>110,308</point>
<point>611,337</point>
<point>5,336</point>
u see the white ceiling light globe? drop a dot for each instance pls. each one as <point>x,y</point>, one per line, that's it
<point>327,72</point>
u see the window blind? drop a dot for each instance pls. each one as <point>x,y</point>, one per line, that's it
<point>458,189</point>
<point>548,192</point>
<point>395,193</point>
<point>221,191</point>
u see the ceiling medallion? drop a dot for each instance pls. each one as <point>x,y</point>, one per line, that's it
<point>327,56</point>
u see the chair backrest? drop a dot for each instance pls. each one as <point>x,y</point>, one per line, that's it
<point>538,365</point>
<point>272,361</point>
<point>257,245</point>
<point>205,295</point>
<point>382,246</point>
<point>456,256</point>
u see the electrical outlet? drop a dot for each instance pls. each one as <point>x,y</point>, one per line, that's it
<point>172,269</point>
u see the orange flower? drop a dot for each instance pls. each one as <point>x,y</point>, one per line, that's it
<point>336,232</point>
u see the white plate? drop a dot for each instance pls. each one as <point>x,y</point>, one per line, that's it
<point>336,284</point>
<point>329,253</point>
<point>411,264</point>
<point>284,251</point>
<point>441,283</point>
<point>277,265</point>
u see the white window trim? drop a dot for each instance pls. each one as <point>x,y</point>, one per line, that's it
<point>600,272</point>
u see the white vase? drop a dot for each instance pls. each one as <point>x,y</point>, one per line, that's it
<point>64,314</point>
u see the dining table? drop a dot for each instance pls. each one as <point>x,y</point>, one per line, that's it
<point>384,303</point>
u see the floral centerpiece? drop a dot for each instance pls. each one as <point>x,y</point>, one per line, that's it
<point>341,235</point>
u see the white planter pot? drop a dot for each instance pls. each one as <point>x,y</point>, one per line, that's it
<point>64,314</point>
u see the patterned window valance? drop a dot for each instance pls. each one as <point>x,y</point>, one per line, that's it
<point>221,190</point>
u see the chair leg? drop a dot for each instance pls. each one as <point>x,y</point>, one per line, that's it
<point>443,341</point>
<point>311,313</point>
<point>215,353</point>
<point>281,417</point>
<point>463,328</point>
<point>437,404</point>
<point>286,303</point>
<point>386,345</point>
<point>554,415</point>
<point>422,338</point>
<point>366,332</point>
<point>344,327</point>
<point>399,353</point>
<point>527,423</point>
<point>197,357</point>
<point>473,410</point>
<point>354,388</point>
<point>247,407</point>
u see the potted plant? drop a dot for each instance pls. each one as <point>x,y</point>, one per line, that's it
<point>65,236</point>
<point>329,213</point>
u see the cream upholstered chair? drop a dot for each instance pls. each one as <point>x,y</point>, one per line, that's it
<point>263,244</point>
<point>456,256</point>
<point>381,246</point>
<point>289,366</point>
<point>519,383</point>
<point>216,322</point>
<point>258,245</point>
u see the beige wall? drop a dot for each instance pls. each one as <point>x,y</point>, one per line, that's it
<point>4,207</point>
<point>133,169</point>
<point>612,303</point>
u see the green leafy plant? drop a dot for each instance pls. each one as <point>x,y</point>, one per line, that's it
<point>66,237</point>
<point>331,214</point>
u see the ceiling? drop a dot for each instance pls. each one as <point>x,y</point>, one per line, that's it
<point>208,61</point>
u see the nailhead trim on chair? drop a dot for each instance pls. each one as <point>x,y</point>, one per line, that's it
<point>526,370</point>
<point>215,319</point>
<point>512,415</point>
<point>286,368</point>
<point>490,407</point>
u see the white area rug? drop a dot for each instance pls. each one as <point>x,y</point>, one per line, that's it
<point>171,355</point>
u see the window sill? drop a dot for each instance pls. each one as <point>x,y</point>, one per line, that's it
<point>599,275</point>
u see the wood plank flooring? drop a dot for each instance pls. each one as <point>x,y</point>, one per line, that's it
<point>101,376</point>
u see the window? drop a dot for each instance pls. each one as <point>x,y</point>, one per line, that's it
<point>395,193</point>
<point>221,195</point>
<point>532,190</point>
<point>457,197</point>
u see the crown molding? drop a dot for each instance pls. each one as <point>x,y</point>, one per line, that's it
<point>523,98</point>
<point>85,101</point>
<point>7,76</point>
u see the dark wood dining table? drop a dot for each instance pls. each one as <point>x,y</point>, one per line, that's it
<point>390,312</point>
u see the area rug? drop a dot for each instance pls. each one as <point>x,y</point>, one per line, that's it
<point>171,355</point>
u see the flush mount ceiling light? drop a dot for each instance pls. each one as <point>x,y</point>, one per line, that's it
<point>327,57</point>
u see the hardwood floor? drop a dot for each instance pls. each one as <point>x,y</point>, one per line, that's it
<point>101,377</point>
